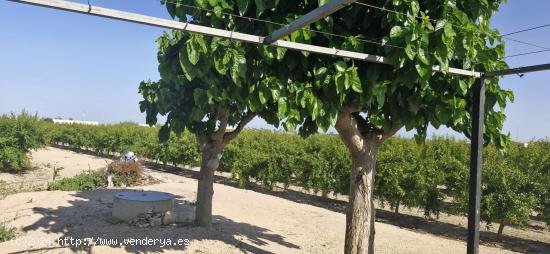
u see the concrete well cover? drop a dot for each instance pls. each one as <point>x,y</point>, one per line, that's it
<point>146,196</point>
<point>128,205</point>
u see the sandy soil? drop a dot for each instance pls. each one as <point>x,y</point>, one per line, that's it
<point>245,221</point>
<point>45,161</point>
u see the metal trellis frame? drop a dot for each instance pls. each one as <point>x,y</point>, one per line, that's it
<point>311,17</point>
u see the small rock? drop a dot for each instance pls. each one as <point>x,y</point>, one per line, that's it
<point>155,222</point>
<point>168,218</point>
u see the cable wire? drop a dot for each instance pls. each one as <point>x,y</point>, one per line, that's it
<point>527,29</point>
<point>462,28</point>
<point>373,41</point>
<point>528,53</point>
<point>527,43</point>
<point>545,49</point>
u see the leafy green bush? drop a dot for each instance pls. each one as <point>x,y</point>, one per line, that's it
<point>18,135</point>
<point>6,232</point>
<point>398,173</point>
<point>89,180</point>
<point>508,193</point>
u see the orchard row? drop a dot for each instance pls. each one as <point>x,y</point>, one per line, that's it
<point>432,176</point>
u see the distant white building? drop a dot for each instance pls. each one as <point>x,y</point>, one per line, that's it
<point>64,121</point>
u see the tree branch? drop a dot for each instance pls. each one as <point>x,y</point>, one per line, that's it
<point>222,115</point>
<point>388,134</point>
<point>347,127</point>
<point>245,119</point>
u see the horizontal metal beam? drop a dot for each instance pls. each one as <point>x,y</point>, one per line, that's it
<point>311,17</point>
<point>182,26</point>
<point>519,70</point>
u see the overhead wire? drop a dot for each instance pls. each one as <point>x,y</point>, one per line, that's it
<point>527,29</point>
<point>528,53</point>
<point>371,41</point>
<point>527,43</point>
<point>462,28</point>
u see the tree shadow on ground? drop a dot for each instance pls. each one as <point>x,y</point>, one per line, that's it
<point>418,224</point>
<point>452,231</point>
<point>89,217</point>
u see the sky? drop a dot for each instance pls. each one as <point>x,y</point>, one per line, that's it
<point>62,64</point>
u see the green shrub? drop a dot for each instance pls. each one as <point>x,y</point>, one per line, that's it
<point>509,195</point>
<point>398,174</point>
<point>88,180</point>
<point>125,173</point>
<point>6,232</point>
<point>18,135</point>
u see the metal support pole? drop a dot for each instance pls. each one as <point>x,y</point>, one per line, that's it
<point>311,17</point>
<point>476,164</point>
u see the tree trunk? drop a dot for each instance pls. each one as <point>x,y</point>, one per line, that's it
<point>211,156</point>
<point>397,206</point>
<point>500,229</point>
<point>362,142</point>
<point>361,212</point>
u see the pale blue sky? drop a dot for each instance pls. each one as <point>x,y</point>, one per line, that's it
<point>72,65</point>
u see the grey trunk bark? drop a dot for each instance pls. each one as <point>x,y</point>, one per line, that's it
<point>500,229</point>
<point>397,206</point>
<point>361,212</point>
<point>205,190</point>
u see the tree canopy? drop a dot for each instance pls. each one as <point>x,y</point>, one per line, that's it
<point>308,90</point>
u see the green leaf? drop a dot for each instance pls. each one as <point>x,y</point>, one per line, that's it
<point>379,91</point>
<point>202,3</point>
<point>282,108</point>
<point>448,30</point>
<point>219,65</point>
<point>440,24</point>
<point>261,96</point>
<point>410,52</point>
<point>422,70</point>
<point>339,80</point>
<point>341,66</point>
<point>260,7</point>
<point>171,10</point>
<point>280,53</point>
<point>187,68</point>
<point>395,32</point>
<point>352,78</point>
<point>442,113</point>
<point>218,11</point>
<point>415,8</point>
<point>422,56</point>
<point>463,86</point>
<point>320,72</point>
<point>275,93</point>
<point>243,6</point>
<point>192,53</point>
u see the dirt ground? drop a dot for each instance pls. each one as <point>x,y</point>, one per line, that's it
<point>44,162</point>
<point>249,221</point>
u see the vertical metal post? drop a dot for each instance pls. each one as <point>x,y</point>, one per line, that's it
<point>476,164</point>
